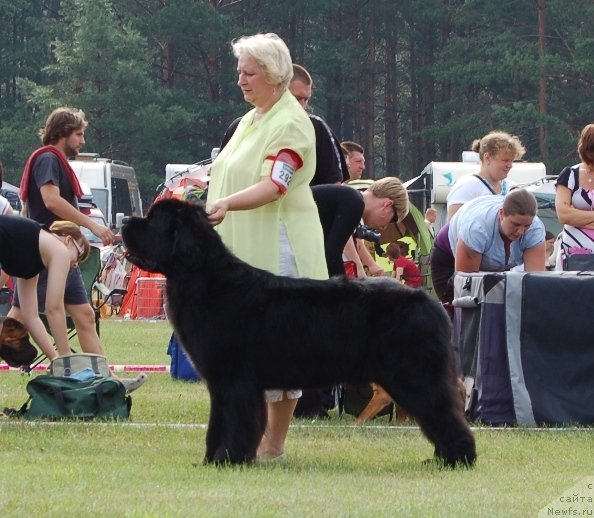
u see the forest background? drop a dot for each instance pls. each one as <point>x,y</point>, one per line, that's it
<point>412,81</point>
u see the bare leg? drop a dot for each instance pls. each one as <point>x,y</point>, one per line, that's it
<point>84,321</point>
<point>280,414</point>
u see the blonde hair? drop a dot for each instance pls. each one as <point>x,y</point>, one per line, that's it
<point>270,53</point>
<point>392,188</point>
<point>67,228</point>
<point>496,142</point>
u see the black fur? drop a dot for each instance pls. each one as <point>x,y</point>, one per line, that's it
<point>247,330</point>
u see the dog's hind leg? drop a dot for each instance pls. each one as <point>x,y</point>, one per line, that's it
<point>438,410</point>
<point>236,424</point>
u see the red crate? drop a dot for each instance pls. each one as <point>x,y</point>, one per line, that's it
<point>149,298</point>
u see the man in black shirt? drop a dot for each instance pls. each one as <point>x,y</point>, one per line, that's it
<point>331,164</point>
<point>50,190</point>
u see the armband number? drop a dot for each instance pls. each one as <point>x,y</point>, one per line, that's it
<point>284,167</point>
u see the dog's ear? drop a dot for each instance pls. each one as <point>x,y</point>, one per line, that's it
<point>15,347</point>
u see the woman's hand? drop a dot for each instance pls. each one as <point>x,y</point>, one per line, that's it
<point>218,211</point>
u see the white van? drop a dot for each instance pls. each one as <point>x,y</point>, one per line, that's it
<point>113,184</point>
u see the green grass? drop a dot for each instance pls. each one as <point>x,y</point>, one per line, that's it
<point>150,466</point>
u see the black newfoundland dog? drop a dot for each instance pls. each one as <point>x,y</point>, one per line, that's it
<point>247,330</point>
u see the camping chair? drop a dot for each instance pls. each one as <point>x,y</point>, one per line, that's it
<point>90,270</point>
<point>111,285</point>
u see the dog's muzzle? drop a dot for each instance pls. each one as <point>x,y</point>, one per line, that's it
<point>15,347</point>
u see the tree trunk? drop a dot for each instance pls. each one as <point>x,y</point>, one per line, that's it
<point>391,140</point>
<point>368,126</point>
<point>542,82</point>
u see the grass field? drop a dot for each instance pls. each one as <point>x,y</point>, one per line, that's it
<point>150,465</point>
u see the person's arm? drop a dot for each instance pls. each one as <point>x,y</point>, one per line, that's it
<point>467,260</point>
<point>50,194</point>
<point>567,214</point>
<point>397,274</point>
<point>374,269</point>
<point>350,252</point>
<point>3,275</point>
<point>29,313</point>
<point>254,196</point>
<point>340,210</point>
<point>534,258</point>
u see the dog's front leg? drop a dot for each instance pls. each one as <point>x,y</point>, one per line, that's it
<point>236,424</point>
<point>216,429</point>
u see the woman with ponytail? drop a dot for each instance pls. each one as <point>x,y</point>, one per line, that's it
<point>26,248</point>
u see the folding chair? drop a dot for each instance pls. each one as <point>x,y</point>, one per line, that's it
<point>89,270</point>
<point>110,287</point>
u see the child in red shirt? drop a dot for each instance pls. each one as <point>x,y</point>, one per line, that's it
<point>405,269</point>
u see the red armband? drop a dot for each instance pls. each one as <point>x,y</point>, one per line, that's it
<point>286,162</point>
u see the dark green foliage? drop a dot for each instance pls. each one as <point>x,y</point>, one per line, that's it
<point>411,81</point>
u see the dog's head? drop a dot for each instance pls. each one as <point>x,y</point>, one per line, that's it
<point>15,347</point>
<point>174,235</point>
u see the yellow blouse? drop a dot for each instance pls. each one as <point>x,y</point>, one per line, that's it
<point>253,235</point>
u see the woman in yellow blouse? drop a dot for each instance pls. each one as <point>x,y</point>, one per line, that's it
<point>259,195</point>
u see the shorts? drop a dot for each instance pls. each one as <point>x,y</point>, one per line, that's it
<point>274,396</point>
<point>74,292</point>
<point>288,267</point>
